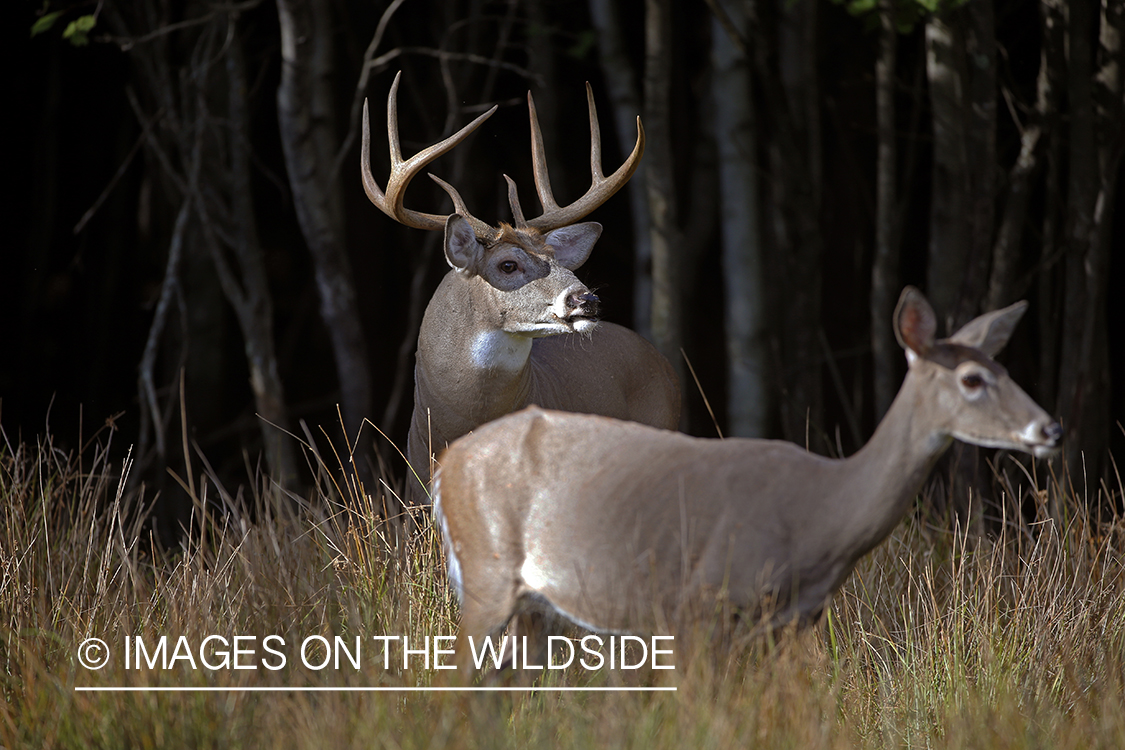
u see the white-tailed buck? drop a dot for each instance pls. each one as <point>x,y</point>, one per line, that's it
<point>510,324</point>
<point>621,527</point>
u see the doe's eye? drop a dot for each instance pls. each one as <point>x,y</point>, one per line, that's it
<point>972,381</point>
<point>509,266</point>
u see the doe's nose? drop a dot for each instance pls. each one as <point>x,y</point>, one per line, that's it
<point>1052,432</point>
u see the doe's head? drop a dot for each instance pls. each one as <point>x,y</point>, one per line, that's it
<point>970,396</point>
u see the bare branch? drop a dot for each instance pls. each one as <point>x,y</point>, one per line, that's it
<point>170,288</point>
<point>361,87</point>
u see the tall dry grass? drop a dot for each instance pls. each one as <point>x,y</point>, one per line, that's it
<point>938,640</point>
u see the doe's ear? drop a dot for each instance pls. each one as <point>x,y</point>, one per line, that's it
<point>914,322</point>
<point>991,331</point>
<point>463,250</point>
<point>574,243</point>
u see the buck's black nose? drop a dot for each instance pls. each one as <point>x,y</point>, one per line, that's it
<point>587,302</point>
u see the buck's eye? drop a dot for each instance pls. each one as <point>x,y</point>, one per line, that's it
<point>972,381</point>
<point>509,266</point>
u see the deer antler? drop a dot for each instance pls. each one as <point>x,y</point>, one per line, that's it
<point>553,216</point>
<point>402,172</point>
<point>601,187</point>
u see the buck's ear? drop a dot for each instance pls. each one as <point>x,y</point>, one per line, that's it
<point>573,243</point>
<point>463,250</point>
<point>914,322</point>
<point>991,331</point>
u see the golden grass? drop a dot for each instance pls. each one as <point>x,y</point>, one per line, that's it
<point>937,640</point>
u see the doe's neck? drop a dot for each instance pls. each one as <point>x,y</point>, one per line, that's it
<point>885,475</point>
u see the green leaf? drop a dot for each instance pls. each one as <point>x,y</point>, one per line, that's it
<point>583,44</point>
<point>45,22</point>
<point>860,7</point>
<point>78,30</point>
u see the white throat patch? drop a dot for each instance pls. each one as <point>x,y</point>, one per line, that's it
<point>500,350</point>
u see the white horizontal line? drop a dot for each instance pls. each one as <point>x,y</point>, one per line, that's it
<point>407,689</point>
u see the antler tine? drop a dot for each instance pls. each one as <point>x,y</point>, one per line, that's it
<point>480,229</point>
<point>595,137</point>
<point>601,187</point>
<point>514,202</point>
<point>538,164</point>
<point>402,172</point>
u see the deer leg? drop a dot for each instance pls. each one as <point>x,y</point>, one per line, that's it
<point>526,646</point>
<point>487,605</point>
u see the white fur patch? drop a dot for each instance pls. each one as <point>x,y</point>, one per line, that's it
<point>560,308</point>
<point>452,564</point>
<point>532,576</point>
<point>1032,434</point>
<point>500,350</point>
<point>988,442</point>
<point>535,579</point>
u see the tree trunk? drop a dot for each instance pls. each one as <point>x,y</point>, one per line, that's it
<point>949,202</point>
<point>1050,291</point>
<point>1082,187</point>
<point>1094,157</point>
<point>744,315</point>
<point>796,176</point>
<point>251,299</point>
<point>885,283</point>
<point>308,135</point>
<point>961,68</point>
<point>619,75</point>
<point>206,167</point>
<point>979,113</point>
<point>1004,286</point>
<point>667,295</point>
<point>963,99</point>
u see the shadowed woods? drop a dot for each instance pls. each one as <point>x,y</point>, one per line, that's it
<point>194,251</point>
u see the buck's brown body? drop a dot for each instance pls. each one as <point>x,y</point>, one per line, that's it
<point>510,324</point>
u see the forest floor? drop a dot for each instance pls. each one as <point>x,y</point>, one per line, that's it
<point>939,639</point>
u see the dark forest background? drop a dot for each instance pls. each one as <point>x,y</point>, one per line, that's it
<point>189,239</point>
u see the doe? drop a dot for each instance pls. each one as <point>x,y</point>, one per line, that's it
<point>620,527</point>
